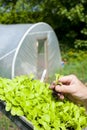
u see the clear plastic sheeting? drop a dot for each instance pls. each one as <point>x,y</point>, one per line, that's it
<point>28,48</point>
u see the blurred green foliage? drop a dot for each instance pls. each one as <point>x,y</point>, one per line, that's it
<point>68,18</point>
<point>75,62</point>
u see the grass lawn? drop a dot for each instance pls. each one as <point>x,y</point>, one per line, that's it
<point>6,124</point>
<point>75,62</point>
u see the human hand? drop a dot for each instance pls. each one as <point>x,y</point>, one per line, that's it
<point>71,86</point>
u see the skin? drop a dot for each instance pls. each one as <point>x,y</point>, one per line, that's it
<point>72,87</point>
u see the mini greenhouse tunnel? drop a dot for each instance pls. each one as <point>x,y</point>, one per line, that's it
<point>28,48</point>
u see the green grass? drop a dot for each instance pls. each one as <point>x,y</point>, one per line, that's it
<point>77,68</point>
<point>6,124</point>
<point>75,63</point>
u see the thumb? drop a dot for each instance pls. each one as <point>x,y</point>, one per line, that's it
<point>62,89</point>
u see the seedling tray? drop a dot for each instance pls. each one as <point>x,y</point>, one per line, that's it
<point>21,122</point>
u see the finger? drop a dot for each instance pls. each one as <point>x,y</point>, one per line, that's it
<point>62,89</point>
<point>52,86</point>
<point>61,96</point>
<point>66,79</point>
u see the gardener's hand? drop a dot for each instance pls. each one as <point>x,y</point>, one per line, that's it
<point>71,86</point>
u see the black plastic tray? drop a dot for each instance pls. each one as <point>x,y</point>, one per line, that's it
<point>21,122</point>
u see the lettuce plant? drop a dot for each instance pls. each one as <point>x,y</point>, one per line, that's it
<point>34,100</point>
